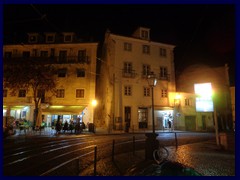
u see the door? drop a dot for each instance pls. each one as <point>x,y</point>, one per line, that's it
<point>204,122</point>
<point>190,123</point>
<point>127,113</point>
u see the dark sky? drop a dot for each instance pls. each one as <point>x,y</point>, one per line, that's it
<point>202,33</point>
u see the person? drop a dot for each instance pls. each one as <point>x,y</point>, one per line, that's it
<point>65,127</point>
<point>169,125</point>
<point>58,126</point>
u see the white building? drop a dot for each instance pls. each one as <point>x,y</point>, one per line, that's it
<point>76,78</point>
<point>123,92</point>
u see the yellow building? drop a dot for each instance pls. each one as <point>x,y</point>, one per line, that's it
<point>124,94</point>
<point>76,77</point>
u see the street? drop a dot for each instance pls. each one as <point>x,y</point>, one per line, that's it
<point>36,155</point>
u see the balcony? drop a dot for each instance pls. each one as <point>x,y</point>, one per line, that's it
<point>164,78</point>
<point>52,60</point>
<point>128,73</point>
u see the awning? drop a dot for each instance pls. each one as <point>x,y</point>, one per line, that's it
<point>60,110</point>
<point>163,108</point>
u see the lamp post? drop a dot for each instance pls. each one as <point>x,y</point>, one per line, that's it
<point>151,141</point>
<point>152,82</point>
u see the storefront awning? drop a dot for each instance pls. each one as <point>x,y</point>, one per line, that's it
<point>60,110</point>
<point>163,108</point>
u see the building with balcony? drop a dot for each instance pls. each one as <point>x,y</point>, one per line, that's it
<point>76,77</point>
<point>123,92</point>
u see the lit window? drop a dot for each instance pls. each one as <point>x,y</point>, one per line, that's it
<point>22,93</point>
<point>127,90</point>
<point>146,91</point>
<point>80,93</point>
<point>60,93</point>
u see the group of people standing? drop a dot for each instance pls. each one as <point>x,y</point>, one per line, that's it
<point>70,126</point>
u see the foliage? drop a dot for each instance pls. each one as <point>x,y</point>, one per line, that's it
<point>29,75</point>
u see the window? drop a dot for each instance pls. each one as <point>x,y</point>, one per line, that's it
<point>146,49</point>
<point>5,91</point>
<point>82,56</point>
<point>146,91</point>
<point>146,69</point>
<point>68,38</point>
<point>62,72</point>
<point>22,93</point>
<point>60,93</point>
<point>188,102</point>
<point>8,55</point>
<point>34,52</point>
<point>127,67</point>
<point>50,38</point>
<point>32,38</point>
<point>144,34</point>
<point>164,93</point>
<point>80,72</point>
<point>26,54</point>
<point>62,56</point>
<point>44,54</point>
<point>127,46</point>
<point>163,52</point>
<point>127,90</point>
<point>80,93</point>
<point>163,72</point>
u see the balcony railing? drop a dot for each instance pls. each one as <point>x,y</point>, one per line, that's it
<point>164,78</point>
<point>128,73</point>
<point>53,59</point>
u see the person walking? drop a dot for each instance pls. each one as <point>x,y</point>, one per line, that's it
<point>169,125</point>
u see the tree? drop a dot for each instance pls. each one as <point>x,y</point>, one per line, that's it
<point>29,75</point>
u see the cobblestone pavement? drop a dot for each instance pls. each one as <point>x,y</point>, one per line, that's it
<point>206,158</point>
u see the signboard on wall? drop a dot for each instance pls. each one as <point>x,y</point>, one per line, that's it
<point>204,102</point>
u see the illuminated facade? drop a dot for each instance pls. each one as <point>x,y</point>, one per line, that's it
<point>123,90</point>
<point>76,77</point>
<point>200,120</point>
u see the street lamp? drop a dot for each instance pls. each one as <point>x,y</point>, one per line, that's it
<point>152,82</point>
<point>151,141</point>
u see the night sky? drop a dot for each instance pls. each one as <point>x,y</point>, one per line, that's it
<point>203,34</point>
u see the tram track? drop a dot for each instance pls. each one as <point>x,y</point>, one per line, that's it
<point>34,160</point>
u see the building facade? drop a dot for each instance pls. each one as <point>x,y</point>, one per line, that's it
<point>124,95</point>
<point>199,120</point>
<point>75,62</point>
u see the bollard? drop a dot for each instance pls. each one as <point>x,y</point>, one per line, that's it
<point>95,161</point>
<point>133,145</point>
<point>113,144</point>
<point>176,141</point>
